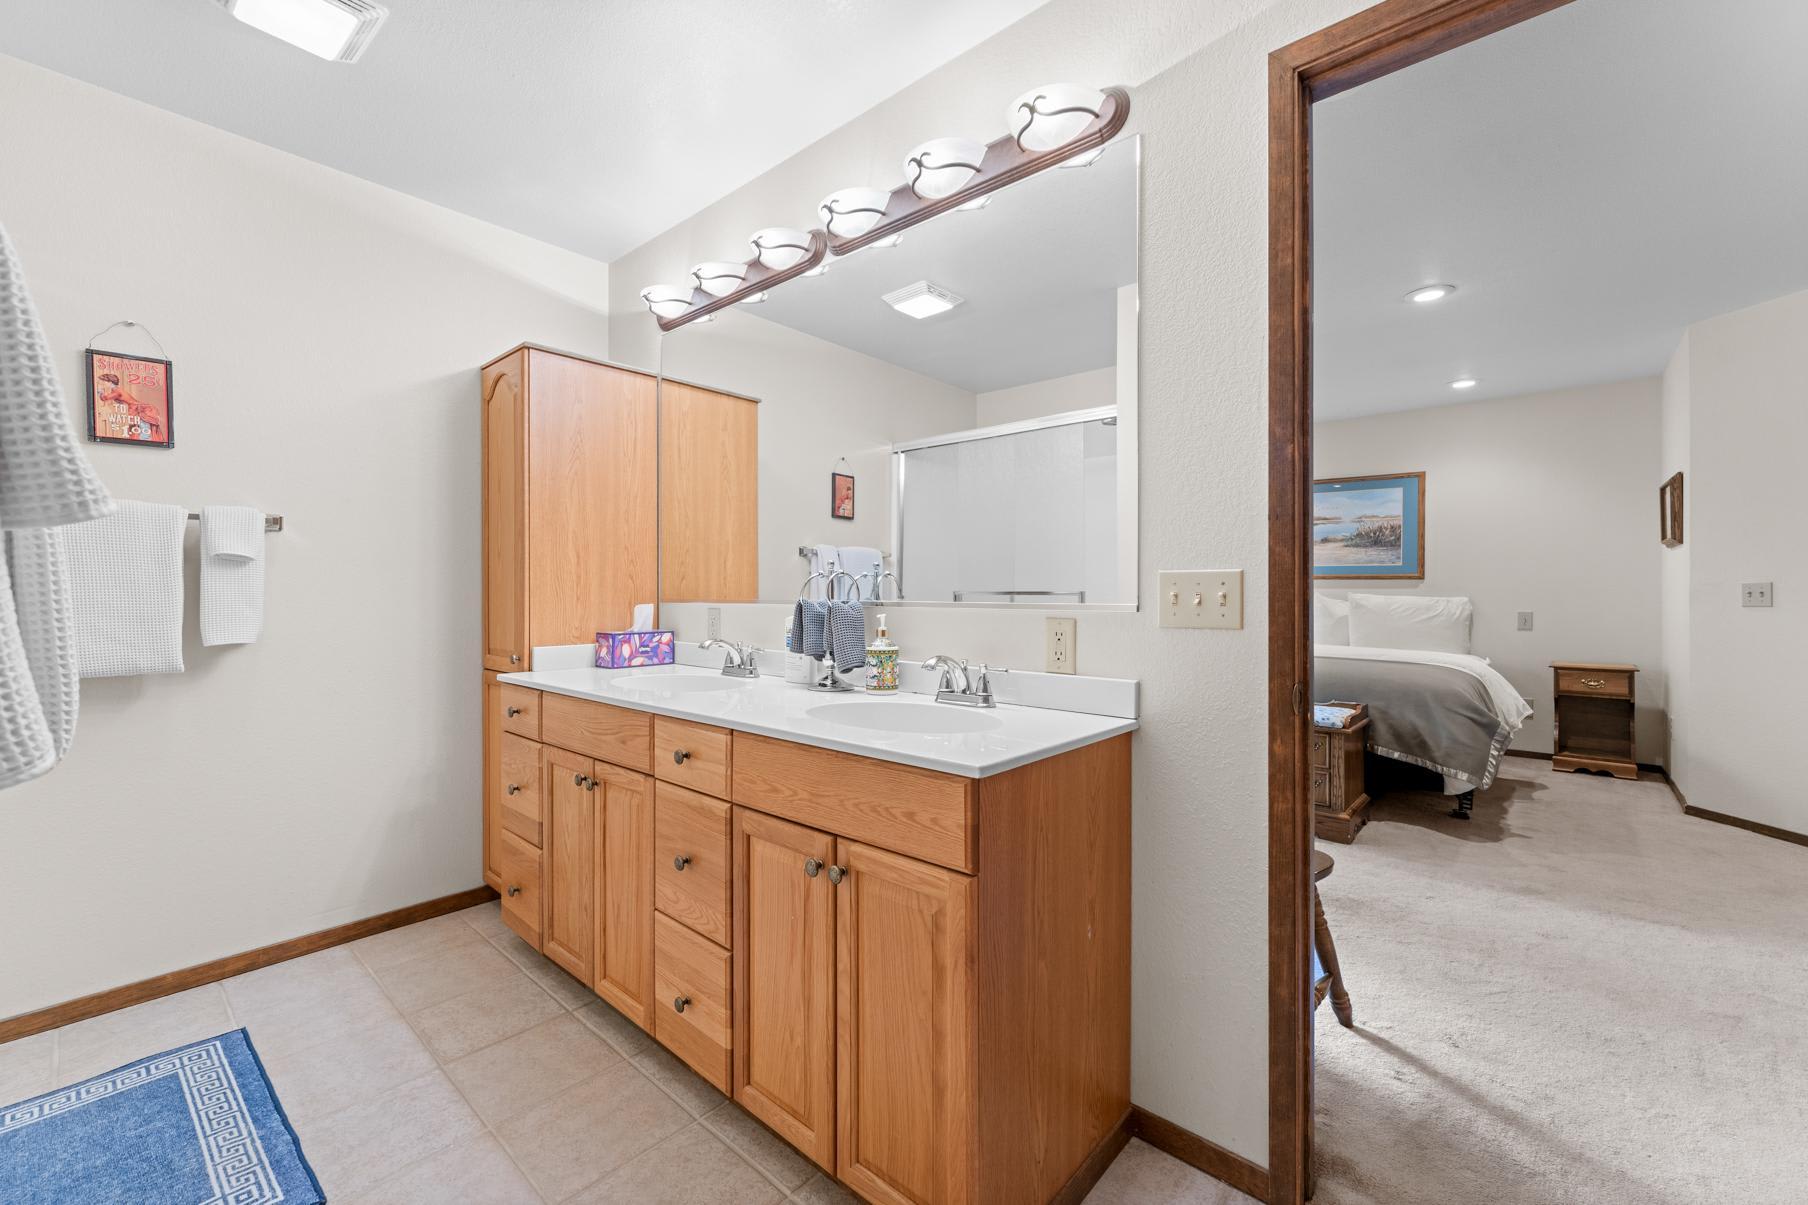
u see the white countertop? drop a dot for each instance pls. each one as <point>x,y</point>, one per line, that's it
<point>984,741</point>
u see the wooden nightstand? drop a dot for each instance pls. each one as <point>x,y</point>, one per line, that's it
<point>1594,711</point>
<point>1339,794</point>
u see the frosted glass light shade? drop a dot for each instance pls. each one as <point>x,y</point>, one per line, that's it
<point>852,212</point>
<point>719,278</point>
<point>667,301</point>
<point>780,247</point>
<point>943,166</point>
<point>1054,115</point>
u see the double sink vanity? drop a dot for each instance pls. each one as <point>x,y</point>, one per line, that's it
<point>896,931</point>
<point>893,927</point>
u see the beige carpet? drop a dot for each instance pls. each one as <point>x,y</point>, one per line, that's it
<point>1581,995</point>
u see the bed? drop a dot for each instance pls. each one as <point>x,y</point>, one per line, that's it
<point>1441,708</point>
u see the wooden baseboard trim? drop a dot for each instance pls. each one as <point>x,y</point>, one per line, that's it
<point>1089,1173</point>
<point>1750,826</point>
<point>26,1024</point>
<point>1198,1152</point>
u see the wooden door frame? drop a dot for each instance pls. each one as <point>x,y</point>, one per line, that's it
<point>1373,43</point>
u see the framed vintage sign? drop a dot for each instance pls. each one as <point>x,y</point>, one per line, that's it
<point>841,495</point>
<point>1669,511</point>
<point>130,400</point>
<point>1369,527</point>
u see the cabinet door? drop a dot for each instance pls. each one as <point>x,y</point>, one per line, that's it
<point>624,885</point>
<point>784,965</point>
<point>709,496</point>
<point>905,1038</point>
<point>492,780</point>
<point>570,829</point>
<point>505,515</point>
<point>593,495</point>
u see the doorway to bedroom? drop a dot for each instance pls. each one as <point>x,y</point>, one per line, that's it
<point>1537,337</point>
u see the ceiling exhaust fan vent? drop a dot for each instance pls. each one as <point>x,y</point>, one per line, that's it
<point>336,30</point>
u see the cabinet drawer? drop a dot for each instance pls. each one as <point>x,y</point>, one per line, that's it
<point>518,865</point>
<point>1321,749</point>
<point>916,812</point>
<point>1321,788</point>
<point>520,710</point>
<point>611,734</point>
<point>690,989</point>
<point>519,791</point>
<point>691,755</point>
<point>690,868</point>
<point>1611,683</point>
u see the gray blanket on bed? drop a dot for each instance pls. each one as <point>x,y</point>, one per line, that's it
<point>1428,715</point>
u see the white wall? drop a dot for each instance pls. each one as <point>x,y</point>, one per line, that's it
<point>1199,77</point>
<point>1674,565</point>
<point>1038,399</point>
<point>1544,503</point>
<point>819,403</point>
<point>1747,419</point>
<point>326,335</point>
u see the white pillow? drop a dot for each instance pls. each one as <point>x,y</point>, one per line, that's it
<point>1330,620</point>
<point>1395,621</point>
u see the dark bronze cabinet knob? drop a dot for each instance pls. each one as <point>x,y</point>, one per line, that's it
<point>513,712</point>
<point>513,892</point>
<point>514,788</point>
<point>680,1003</point>
<point>681,861</point>
<point>812,866</point>
<point>680,756</point>
<point>837,873</point>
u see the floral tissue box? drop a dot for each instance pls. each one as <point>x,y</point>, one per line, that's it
<point>624,650</point>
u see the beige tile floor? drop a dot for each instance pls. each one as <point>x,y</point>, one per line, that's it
<point>450,1062</point>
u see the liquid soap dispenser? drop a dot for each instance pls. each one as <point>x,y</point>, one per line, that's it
<point>882,661</point>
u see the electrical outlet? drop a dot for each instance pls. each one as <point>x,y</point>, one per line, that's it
<point>1061,636</point>
<point>715,623</point>
<point>1525,621</point>
<point>1754,594</point>
<point>1201,598</point>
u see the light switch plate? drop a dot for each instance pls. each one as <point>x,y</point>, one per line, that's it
<point>1201,598</point>
<point>715,623</point>
<point>1754,594</point>
<point>1525,621</point>
<point>1062,634</point>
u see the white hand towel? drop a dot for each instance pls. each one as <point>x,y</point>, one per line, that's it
<point>232,574</point>
<point>26,748</point>
<point>45,480</point>
<point>40,588</point>
<point>125,575</point>
<point>865,564</point>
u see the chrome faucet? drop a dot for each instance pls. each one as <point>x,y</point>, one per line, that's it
<point>739,661</point>
<point>958,686</point>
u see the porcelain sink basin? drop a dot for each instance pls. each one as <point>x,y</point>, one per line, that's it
<point>914,718</point>
<point>672,686</point>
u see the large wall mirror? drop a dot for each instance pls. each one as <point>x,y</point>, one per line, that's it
<point>951,420</point>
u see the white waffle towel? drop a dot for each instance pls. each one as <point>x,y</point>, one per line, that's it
<point>232,574</point>
<point>125,573</point>
<point>45,480</point>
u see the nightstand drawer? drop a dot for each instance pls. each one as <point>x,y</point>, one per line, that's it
<point>1608,683</point>
<point>1321,750</point>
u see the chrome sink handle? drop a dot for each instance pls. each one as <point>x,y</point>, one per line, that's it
<point>740,661</point>
<point>954,673</point>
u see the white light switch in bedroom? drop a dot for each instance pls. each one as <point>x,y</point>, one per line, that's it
<point>1754,594</point>
<point>1201,598</point>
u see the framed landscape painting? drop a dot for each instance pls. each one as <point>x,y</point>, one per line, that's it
<point>1369,527</point>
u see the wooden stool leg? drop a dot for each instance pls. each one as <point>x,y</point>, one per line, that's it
<point>1327,954</point>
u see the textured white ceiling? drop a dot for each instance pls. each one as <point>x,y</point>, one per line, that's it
<point>592,124</point>
<point>1593,181</point>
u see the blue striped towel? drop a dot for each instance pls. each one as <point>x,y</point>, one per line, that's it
<point>847,635</point>
<point>809,627</point>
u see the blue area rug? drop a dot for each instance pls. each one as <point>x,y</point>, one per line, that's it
<point>198,1125</point>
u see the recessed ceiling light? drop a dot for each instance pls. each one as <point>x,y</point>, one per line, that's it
<point>922,300</point>
<point>1426,294</point>
<point>1463,383</point>
<point>337,30</point>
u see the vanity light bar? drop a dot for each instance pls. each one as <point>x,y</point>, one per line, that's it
<point>1017,155</point>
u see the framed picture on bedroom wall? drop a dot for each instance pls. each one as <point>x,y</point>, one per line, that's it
<point>1669,511</point>
<point>1369,527</point>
